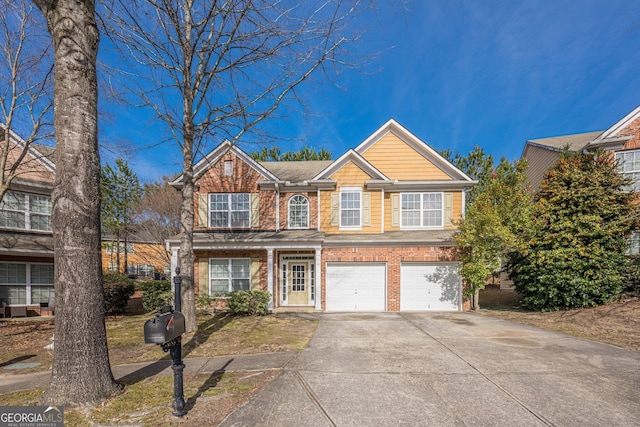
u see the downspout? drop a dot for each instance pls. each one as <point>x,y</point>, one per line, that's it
<point>318,213</point>
<point>277,207</point>
<point>382,213</point>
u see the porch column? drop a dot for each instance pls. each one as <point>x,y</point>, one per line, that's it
<point>270,277</point>
<point>174,264</point>
<point>318,255</point>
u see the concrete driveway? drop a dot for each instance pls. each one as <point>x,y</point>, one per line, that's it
<point>447,369</point>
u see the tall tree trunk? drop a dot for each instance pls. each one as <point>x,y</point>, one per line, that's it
<point>476,300</point>
<point>186,255</point>
<point>81,372</point>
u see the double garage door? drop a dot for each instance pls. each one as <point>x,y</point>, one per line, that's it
<point>363,287</point>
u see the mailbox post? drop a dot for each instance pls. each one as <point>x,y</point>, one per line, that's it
<point>166,330</point>
<point>176,354</point>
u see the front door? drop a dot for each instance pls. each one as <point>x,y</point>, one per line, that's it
<point>298,283</point>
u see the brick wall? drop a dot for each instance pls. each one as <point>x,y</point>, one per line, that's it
<point>633,129</point>
<point>243,180</point>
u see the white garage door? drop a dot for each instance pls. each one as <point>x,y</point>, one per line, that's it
<point>430,287</point>
<point>356,287</point>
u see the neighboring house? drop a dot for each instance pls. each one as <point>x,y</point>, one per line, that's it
<point>144,259</point>
<point>622,139</point>
<point>26,240</point>
<point>370,231</point>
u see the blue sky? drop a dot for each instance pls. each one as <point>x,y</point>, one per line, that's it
<point>460,73</point>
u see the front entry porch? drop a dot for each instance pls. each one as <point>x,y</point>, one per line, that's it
<point>297,280</point>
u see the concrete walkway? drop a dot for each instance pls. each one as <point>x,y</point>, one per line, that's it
<point>195,365</point>
<point>447,369</point>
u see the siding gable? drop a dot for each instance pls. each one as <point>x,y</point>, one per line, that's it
<point>398,161</point>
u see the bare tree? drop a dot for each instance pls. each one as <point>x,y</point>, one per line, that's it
<point>81,371</point>
<point>157,217</point>
<point>26,97</point>
<point>215,69</point>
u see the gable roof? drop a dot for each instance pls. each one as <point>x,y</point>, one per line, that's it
<point>422,148</point>
<point>611,137</point>
<point>212,158</point>
<point>354,157</point>
<point>40,153</point>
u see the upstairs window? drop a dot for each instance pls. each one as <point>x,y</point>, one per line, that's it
<point>228,168</point>
<point>25,211</point>
<point>421,210</point>
<point>298,212</point>
<point>350,207</point>
<point>230,210</point>
<point>629,167</point>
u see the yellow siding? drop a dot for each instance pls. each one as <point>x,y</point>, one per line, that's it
<point>350,176</point>
<point>396,160</point>
<point>457,211</point>
<point>143,253</point>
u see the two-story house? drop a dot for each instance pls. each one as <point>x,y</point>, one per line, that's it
<point>622,139</point>
<point>26,240</point>
<point>369,231</point>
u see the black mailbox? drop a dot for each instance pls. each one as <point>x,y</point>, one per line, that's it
<point>165,327</point>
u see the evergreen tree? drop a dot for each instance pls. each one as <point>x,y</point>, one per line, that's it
<point>576,253</point>
<point>120,192</point>
<point>275,155</point>
<point>477,165</point>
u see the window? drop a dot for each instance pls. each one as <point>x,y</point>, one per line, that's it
<point>634,244</point>
<point>421,210</point>
<point>26,283</point>
<point>228,275</point>
<point>629,167</point>
<point>228,168</point>
<point>230,210</point>
<point>141,270</point>
<point>112,248</point>
<point>25,211</point>
<point>298,212</point>
<point>350,204</point>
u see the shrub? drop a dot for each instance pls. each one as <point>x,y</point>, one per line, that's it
<point>155,294</point>
<point>117,291</point>
<point>631,275</point>
<point>249,303</point>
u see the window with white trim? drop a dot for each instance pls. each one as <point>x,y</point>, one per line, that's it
<point>229,210</point>
<point>25,211</point>
<point>421,210</point>
<point>634,244</point>
<point>350,207</point>
<point>228,168</point>
<point>25,283</point>
<point>629,167</point>
<point>141,270</point>
<point>229,274</point>
<point>298,212</point>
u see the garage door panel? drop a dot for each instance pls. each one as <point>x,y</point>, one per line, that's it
<point>430,287</point>
<point>356,287</point>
